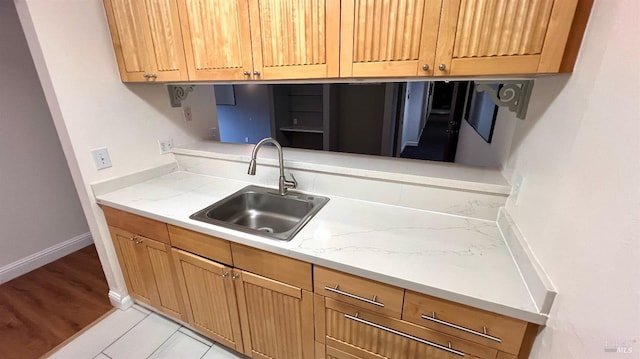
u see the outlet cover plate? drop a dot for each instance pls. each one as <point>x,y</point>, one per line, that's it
<point>101,158</point>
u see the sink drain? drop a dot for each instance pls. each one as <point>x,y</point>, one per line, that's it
<point>266,229</point>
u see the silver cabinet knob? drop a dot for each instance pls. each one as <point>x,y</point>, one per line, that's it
<point>425,67</point>
<point>150,76</point>
<point>442,67</point>
<point>247,73</point>
<point>256,73</point>
<point>225,274</point>
<point>235,276</point>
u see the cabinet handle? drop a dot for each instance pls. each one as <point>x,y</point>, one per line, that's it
<point>247,73</point>
<point>366,300</point>
<point>466,330</point>
<point>225,274</point>
<point>149,76</point>
<point>133,238</point>
<point>139,241</point>
<point>404,335</point>
<point>257,73</point>
<point>235,276</point>
<point>425,67</point>
<point>442,67</point>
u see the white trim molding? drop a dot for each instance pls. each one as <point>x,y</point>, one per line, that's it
<point>119,300</point>
<point>45,256</point>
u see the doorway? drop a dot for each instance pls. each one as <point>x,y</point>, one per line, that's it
<point>433,112</point>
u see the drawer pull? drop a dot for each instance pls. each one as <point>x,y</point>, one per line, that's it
<point>466,330</point>
<point>366,300</point>
<point>404,335</point>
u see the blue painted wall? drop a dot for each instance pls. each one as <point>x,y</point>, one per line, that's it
<point>250,117</point>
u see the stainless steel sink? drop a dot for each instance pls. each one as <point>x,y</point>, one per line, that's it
<point>262,211</point>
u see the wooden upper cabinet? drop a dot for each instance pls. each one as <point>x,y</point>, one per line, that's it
<point>388,38</point>
<point>217,39</point>
<point>502,36</point>
<point>294,39</point>
<point>147,40</point>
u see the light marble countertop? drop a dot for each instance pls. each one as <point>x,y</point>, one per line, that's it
<point>456,258</point>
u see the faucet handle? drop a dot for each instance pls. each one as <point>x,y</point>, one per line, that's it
<point>293,183</point>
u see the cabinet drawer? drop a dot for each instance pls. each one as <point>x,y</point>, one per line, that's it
<point>136,224</point>
<point>371,295</point>
<point>490,329</point>
<point>203,245</point>
<point>274,266</point>
<point>360,333</point>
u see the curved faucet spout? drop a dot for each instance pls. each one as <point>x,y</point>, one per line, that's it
<point>283,183</point>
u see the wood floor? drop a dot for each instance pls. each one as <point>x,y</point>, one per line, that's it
<point>41,309</point>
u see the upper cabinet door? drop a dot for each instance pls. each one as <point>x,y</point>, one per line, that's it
<point>128,36</point>
<point>486,37</point>
<point>165,37</point>
<point>147,40</point>
<point>217,39</point>
<point>295,39</point>
<point>388,38</point>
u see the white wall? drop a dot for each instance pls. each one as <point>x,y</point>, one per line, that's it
<point>414,111</point>
<point>72,51</point>
<point>579,205</point>
<point>474,150</point>
<point>39,207</point>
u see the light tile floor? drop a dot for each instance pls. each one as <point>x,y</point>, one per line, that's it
<point>137,333</point>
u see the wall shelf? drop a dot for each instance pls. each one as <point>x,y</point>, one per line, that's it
<point>307,129</point>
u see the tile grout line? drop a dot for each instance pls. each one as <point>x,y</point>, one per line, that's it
<point>123,334</point>
<point>195,337</point>
<point>166,340</point>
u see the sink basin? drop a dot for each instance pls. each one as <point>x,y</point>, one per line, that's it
<point>262,211</point>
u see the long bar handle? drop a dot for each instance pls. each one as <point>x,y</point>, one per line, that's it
<point>346,294</point>
<point>455,326</point>
<point>404,335</point>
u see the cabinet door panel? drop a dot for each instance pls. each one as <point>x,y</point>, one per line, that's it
<point>388,38</point>
<point>217,39</point>
<point>498,36</point>
<point>169,300</point>
<point>135,265</point>
<point>128,36</point>
<point>209,298</point>
<point>167,53</point>
<point>295,38</point>
<point>277,318</point>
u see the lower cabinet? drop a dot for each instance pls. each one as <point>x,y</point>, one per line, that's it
<point>269,306</point>
<point>258,316</point>
<point>209,298</point>
<point>352,332</point>
<point>277,318</point>
<point>148,271</point>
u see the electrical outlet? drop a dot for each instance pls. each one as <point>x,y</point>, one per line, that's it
<point>246,139</point>
<point>165,145</point>
<point>101,158</point>
<point>186,114</point>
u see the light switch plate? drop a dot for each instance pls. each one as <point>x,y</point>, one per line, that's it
<point>101,158</point>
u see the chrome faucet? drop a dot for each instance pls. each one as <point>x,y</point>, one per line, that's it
<point>283,183</point>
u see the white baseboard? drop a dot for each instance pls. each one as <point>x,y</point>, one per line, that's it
<point>120,301</point>
<point>45,256</point>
